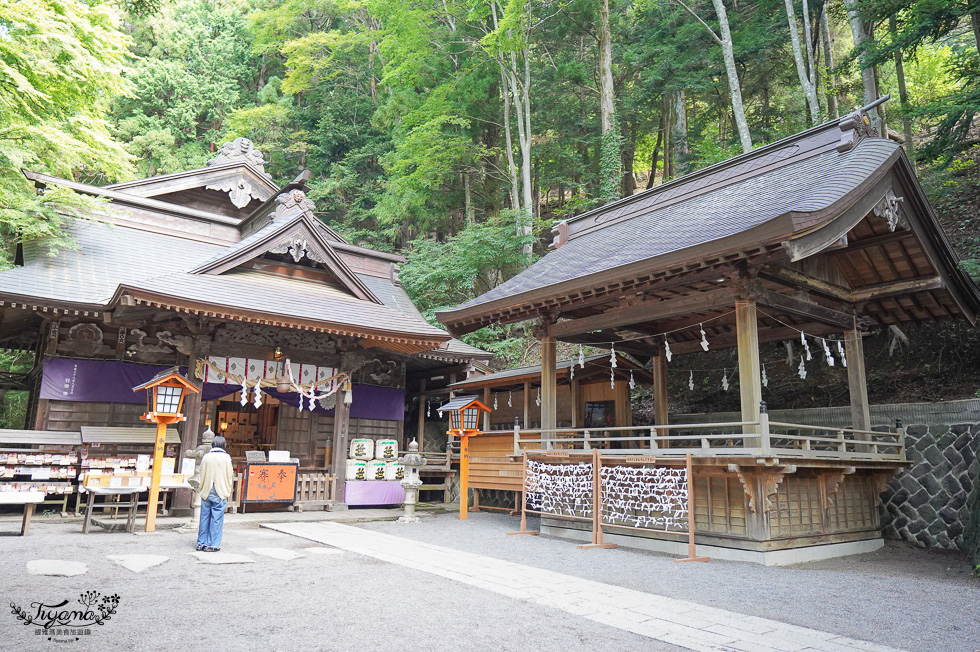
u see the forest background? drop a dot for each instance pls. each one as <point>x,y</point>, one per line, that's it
<point>456,132</point>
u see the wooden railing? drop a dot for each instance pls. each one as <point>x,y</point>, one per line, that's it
<point>736,439</point>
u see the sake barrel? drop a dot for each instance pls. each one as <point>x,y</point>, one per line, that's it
<point>356,470</point>
<point>386,449</point>
<point>394,471</point>
<point>376,470</point>
<point>361,449</point>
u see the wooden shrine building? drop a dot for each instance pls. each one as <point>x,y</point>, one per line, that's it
<point>230,276</point>
<point>826,233</point>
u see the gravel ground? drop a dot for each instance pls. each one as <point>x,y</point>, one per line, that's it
<point>318,602</point>
<point>899,596</point>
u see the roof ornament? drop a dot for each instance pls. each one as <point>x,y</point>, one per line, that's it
<point>888,209</point>
<point>857,126</point>
<point>290,201</point>
<point>240,150</point>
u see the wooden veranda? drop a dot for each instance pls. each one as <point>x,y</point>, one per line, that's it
<point>818,238</point>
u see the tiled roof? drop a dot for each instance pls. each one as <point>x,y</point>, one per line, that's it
<point>664,221</point>
<point>285,298</point>
<point>105,257</point>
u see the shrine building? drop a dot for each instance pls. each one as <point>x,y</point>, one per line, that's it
<point>234,279</point>
<point>818,239</point>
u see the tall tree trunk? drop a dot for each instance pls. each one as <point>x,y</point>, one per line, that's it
<point>803,71</point>
<point>679,132</point>
<point>860,34</point>
<point>627,140</point>
<point>656,153</point>
<point>610,170</point>
<point>903,91</point>
<point>731,72</point>
<point>467,200</point>
<point>830,84</point>
<point>975,22</point>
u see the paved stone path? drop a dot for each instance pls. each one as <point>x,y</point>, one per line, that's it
<point>678,622</point>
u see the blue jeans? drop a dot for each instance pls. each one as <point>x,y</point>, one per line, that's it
<point>212,520</point>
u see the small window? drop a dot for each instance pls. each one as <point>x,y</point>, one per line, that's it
<point>600,414</point>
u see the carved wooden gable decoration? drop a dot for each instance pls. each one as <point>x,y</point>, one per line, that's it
<point>238,170</point>
<point>293,237</point>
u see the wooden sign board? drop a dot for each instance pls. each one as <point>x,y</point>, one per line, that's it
<point>254,456</point>
<point>270,483</point>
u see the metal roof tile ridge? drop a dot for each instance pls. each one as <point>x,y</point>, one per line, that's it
<point>711,169</point>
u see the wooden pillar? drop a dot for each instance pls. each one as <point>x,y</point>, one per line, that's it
<point>660,417</point>
<point>749,369</point>
<point>549,388</point>
<point>527,404</point>
<point>576,403</point>
<point>341,425</point>
<point>183,498</point>
<point>857,381</point>
<point>486,415</point>
<point>420,436</point>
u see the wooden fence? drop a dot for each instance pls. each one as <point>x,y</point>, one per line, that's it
<point>597,513</point>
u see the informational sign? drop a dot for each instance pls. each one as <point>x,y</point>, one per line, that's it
<point>187,467</point>
<point>278,456</point>
<point>254,456</point>
<point>267,482</point>
<point>142,463</point>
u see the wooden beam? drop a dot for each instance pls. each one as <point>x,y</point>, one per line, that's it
<point>874,241</point>
<point>793,278</point>
<point>804,308</point>
<point>660,416</point>
<point>576,399</point>
<point>885,290</point>
<point>341,425</point>
<point>697,302</point>
<point>549,389</point>
<point>749,371</point>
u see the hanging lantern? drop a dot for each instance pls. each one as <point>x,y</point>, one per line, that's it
<point>704,338</point>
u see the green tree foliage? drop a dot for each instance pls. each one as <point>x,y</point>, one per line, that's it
<point>61,63</point>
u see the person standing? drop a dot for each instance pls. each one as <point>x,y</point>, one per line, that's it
<point>216,487</point>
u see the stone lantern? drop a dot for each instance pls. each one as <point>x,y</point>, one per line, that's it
<point>412,483</point>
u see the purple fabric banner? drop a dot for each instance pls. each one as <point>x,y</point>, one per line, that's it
<point>111,381</point>
<point>373,492</point>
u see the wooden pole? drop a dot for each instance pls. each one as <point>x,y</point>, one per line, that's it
<point>486,415</point>
<point>691,548</point>
<point>549,389</point>
<point>857,381</point>
<point>597,504</point>
<point>660,416</point>
<point>464,476</point>
<point>523,529</point>
<point>749,369</point>
<point>527,404</point>
<point>422,405</point>
<point>341,424</point>
<point>151,502</point>
<point>576,403</point>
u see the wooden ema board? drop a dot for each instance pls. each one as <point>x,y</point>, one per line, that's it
<point>270,483</point>
<point>491,466</point>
